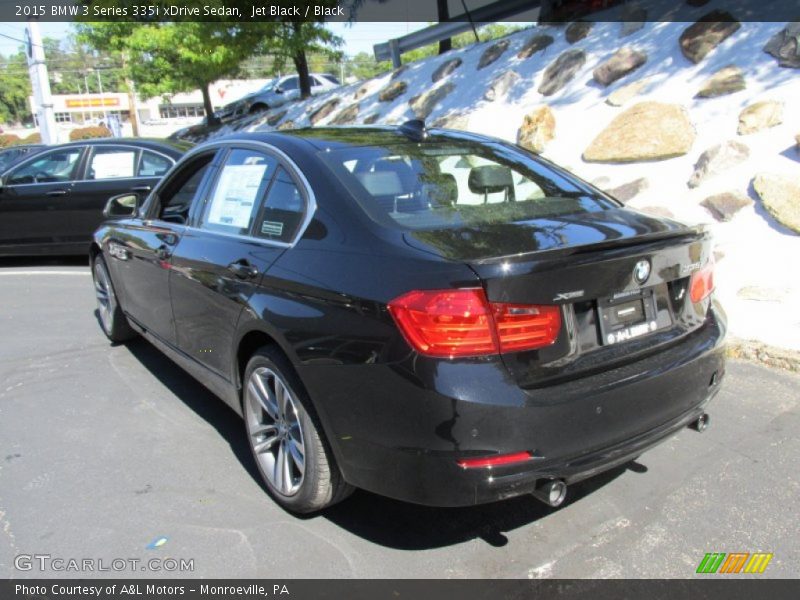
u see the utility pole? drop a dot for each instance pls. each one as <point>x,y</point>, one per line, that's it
<point>37,70</point>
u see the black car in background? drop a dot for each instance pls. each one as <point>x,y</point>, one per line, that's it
<point>435,316</point>
<point>52,201</point>
<point>14,154</point>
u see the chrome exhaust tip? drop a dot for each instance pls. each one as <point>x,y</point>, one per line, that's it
<point>552,492</point>
<point>702,423</point>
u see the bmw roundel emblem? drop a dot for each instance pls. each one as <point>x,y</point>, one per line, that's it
<point>641,271</point>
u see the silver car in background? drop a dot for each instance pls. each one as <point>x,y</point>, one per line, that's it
<point>276,92</point>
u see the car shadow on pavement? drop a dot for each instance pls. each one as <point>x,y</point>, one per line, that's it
<point>405,526</point>
<point>380,520</point>
<point>198,398</point>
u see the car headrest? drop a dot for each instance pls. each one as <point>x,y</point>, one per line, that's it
<point>381,183</point>
<point>488,179</point>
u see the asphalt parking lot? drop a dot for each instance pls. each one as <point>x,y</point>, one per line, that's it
<point>105,449</point>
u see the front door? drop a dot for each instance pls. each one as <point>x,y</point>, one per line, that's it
<point>35,196</point>
<point>141,252</point>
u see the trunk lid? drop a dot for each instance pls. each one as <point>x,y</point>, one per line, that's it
<point>620,277</point>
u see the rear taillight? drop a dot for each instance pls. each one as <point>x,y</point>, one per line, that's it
<point>702,282</point>
<point>453,323</point>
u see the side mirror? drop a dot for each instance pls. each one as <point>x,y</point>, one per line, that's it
<point>122,206</point>
<point>278,90</point>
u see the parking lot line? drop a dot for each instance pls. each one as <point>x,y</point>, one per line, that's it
<point>7,273</point>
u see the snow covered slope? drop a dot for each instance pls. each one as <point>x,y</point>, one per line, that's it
<point>758,278</point>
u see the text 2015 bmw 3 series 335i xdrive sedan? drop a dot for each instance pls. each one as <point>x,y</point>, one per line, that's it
<point>434,316</point>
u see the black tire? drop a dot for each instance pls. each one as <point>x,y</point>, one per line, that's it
<point>113,321</point>
<point>273,440</point>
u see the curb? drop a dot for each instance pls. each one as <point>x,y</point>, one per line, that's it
<point>770,356</point>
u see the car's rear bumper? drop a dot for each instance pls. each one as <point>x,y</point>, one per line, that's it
<point>400,432</point>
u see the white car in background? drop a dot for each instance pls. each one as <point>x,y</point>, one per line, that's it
<point>276,92</point>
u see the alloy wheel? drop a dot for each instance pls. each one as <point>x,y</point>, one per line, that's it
<point>274,430</point>
<point>106,303</point>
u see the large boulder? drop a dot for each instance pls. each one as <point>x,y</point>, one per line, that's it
<point>538,128</point>
<point>723,206</point>
<point>717,159</point>
<point>785,46</point>
<point>760,115</point>
<point>622,95</point>
<point>500,85</point>
<point>492,53</point>
<point>535,43</point>
<point>275,118</point>
<point>622,62</point>
<point>392,90</point>
<point>576,31</point>
<point>726,81</point>
<point>453,120</point>
<point>324,110</point>
<point>444,69</point>
<point>781,197</point>
<point>371,118</point>
<point>707,33</point>
<point>361,92</point>
<point>424,104</point>
<point>644,132</point>
<point>628,191</point>
<point>346,116</point>
<point>561,71</point>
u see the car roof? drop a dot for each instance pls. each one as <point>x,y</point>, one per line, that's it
<point>172,147</point>
<point>314,139</point>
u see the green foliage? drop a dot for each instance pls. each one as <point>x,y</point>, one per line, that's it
<point>88,133</point>
<point>15,87</point>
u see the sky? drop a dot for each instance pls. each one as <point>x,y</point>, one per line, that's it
<point>358,37</point>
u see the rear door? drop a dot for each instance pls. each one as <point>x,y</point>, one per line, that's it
<point>108,171</point>
<point>251,214</point>
<point>35,197</point>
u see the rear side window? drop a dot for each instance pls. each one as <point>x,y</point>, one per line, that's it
<point>153,165</point>
<point>283,210</point>
<point>241,184</point>
<point>112,163</point>
<point>436,185</point>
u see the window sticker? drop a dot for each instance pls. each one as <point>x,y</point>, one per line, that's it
<point>272,228</point>
<point>113,164</point>
<point>235,196</point>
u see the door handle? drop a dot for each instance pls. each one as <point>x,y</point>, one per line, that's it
<point>57,193</point>
<point>243,269</point>
<point>170,239</point>
<point>141,188</point>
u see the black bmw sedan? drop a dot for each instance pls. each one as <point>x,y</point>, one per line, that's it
<point>52,199</point>
<point>434,316</point>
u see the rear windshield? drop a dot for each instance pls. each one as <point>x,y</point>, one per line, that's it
<point>441,186</point>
